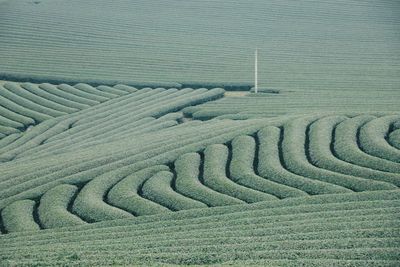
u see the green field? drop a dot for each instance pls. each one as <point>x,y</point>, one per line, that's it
<point>115,175</point>
<point>130,134</point>
<point>322,45</point>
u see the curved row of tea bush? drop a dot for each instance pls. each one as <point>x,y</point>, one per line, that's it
<point>228,163</point>
<point>136,113</point>
<point>53,208</point>
<point>328,229</point>
<point>225,171</point>
<point>242,172</point>
<point>346,146</point>
<point>27,104</point>
<point>322,135</point>
<point>189,181</point>
<point>372,138</point>
<point>295,155</point>
<point>158,189</point>
<point>394,138</point>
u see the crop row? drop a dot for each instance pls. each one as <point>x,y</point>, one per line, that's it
<point>216,163</point>
<point>26,104</point>
<point>46,44</point>
<point>144,111</point>
<point>334,227</point>
<point>296,102</point>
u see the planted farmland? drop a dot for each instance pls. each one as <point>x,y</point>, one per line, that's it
<point>209,41</point>
<point>131,134</point>
<point>134,169</point>
<point>297,102</point>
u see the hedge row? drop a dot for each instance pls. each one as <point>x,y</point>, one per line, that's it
<point>346,146</point>
<point>111,169</point>
<point>16,108</point>
<point>81,130</point>
<point>159,189</point>
<point>372,138</point>
<point>97,111</point>
<point>341,230</point>
<point>242,171</point>
<point>111,90</point>
<point>274,211</point>
<point>94,91</point>
<point>228,86</point>
<point>8,140</point>
<point>53,89</point>
<point>116,109</point>
<point>34,137</point>
<point>270,166</point>
<point>18,216</point>
<point>156,108</point>
<point>394,138</point>
<point>5,121</point>
<point>188,182</point>
<point>28,104</point>
<point>216,177</point>
<point>274,222</point>
<point>71,81</point>
<point>40,100</point>
<point>53,207</point>
<point>93,99</point>
<point>51,95</point>
<point>320,139</point>
<point>131,89</point>
<point>295,158</point>
<point>125,194</point>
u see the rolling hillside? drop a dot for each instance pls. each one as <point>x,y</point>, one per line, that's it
<point>306,44</point>
<point>127,176</point>
<point>130,133</point>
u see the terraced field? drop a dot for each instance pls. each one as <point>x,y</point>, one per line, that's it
<point>127,176</point>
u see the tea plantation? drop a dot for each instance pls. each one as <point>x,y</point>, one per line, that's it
<point>118,175</point>
<point>131,134</point>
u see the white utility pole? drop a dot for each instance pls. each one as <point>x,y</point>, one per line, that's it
<point>256,72</point>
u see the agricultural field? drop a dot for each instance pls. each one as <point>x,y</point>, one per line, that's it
<point>115,175</point>
<point>131,133</point>
<point>307,44</point>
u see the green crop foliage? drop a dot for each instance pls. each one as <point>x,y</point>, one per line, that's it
<point>394,139</point>
<point>111,90</point>
<point>215,176</point>
<point>130,89</point>
<point>188,182</point>
<point>158,189</point>
<point>241,170</point>
<point>270,166</point>
<point>45,102</point>
<point>53,206</point>
<point>296,160</point>
<point>372,138</point>
<point>321,133</point>
<point>51,94</point>
<point>125,194</point>
<point>94,91</point>
<point>18,216</point>
<point>129,176</point>
<point>347,149</point>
